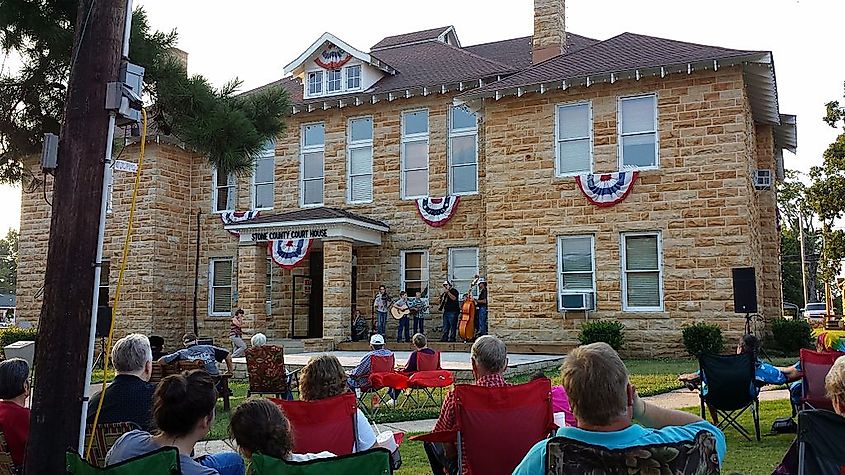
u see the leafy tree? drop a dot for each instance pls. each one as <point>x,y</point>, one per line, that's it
<point>9,262</point>
<point>227,128</point>
<point>795,211</point>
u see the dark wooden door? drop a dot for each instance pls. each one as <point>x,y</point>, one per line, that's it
<point>315,310</point>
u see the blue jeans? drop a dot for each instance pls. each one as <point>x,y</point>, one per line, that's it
<point>226,463</point>
<point>450,325</point>
<point>381,324</point>
<point>481,316</point>
<point>419,325</point>
<point>403,333</point>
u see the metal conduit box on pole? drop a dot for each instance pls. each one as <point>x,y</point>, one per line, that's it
<point>21,349</point>
<point>124,96</point>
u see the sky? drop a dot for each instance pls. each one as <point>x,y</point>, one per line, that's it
<point>254,39</point>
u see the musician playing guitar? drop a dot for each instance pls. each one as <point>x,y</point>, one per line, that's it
<point>403,333</point>
<point>451,309</point>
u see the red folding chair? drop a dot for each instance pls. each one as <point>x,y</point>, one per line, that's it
<point>428,361</point>
<point>495,427</point>
<point>328,424</point>
<point>428,378</point>
<point>382,375</point>
<point>815,367</point>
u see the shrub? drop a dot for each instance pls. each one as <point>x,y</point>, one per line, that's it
<point>791,335</point>
<point>11,335</point>
<point>702,337</point>
<point>609,331</point>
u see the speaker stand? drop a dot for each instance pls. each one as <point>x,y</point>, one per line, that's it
<point>750,331</point>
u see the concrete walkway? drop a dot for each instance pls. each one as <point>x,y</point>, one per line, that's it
<point>676,399</point>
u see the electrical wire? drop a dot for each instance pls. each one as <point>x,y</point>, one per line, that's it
<point>125,257</point>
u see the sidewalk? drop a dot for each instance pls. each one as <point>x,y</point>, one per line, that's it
<point>676,399</point>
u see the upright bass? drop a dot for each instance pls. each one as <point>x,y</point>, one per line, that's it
<point>466,327</point>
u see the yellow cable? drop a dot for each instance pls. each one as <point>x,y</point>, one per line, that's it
<point>127,239</point>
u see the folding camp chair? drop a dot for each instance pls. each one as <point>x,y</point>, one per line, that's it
<point>815,367</point>
<point>265,367</point>
<point>370,462</point>
<point>820,436</point>
<point>495,427</point>
<point>427,379</point>
<point>382,375</point>
<point>328,424</point>
<point>728,386</point>
<point>566,456</point>
<point>104,438</point>
<point>164,461</point>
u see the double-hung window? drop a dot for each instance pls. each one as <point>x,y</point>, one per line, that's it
<point>220,287</point>
<point>414,271</point>
<point>414,181</point>
<point>359,183</point>
<point>353,77</point>
<point>463,267</point>
<point>576,270</point>
<point>333,80</point>
<point>574,137</point>
<point>642,272</point>
<point>223,192</point>
<point>638,143</point>
<point>311,165</point>
<point>262,177</point>
<point>463,151</point>
<point>315,83</point>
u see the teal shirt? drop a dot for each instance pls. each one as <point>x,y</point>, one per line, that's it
<point>534,462</point>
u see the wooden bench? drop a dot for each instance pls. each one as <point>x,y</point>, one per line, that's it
<point>162,370</point>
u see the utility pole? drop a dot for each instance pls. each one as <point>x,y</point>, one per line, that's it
<point>803,262</point>
<point>66,312</point>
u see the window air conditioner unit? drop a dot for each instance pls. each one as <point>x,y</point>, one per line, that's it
<point>585,301</point>
<point>763,179</point>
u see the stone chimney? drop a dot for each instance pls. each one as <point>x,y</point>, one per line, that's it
<point>549,29</point>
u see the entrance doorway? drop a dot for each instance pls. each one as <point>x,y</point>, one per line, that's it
<point>315,302</point>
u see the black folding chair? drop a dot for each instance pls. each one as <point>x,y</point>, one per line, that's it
<point>820,436</point>
<point>729,388</point>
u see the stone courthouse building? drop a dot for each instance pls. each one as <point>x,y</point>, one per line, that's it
<point>620,178</point>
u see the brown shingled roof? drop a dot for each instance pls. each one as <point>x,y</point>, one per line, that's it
<point>516,52</point>
<point>413,37</point>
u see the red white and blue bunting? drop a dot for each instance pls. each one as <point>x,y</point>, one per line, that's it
<point>288,253</point>
<point>437,211</point>
<point>233,217</point>
<point>332,58</point>
<point>606,189</point>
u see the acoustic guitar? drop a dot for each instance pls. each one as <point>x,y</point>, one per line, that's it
<point>398,313</point>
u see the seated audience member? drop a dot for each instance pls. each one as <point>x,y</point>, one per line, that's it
<point>323,377</point>
<point>157,347</point>
<point>14,415</point>
<point>605,405</point>
<point>796,388</point>
<point>210,355</point>
<point>359,377</point>
<point>129,398</point>
<point>183,412</point>
<point>560,404</point>
<point>420,346</point>
<point>258,425</point>
<point>489,358</point>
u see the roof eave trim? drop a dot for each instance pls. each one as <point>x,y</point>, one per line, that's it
<point>295,64</point>
<point>306,222</point>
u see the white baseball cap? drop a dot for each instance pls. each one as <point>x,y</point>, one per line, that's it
<point>376,339</point>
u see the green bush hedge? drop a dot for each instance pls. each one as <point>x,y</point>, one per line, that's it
<point>791,335</point>
<point>9,335</point>
<point>702,337</point>
<point>609,331</point>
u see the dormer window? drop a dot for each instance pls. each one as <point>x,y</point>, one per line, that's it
<point>315,83</point>
<point>333,81</point>
<point>353,77</point>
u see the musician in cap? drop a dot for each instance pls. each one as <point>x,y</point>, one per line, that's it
<point>451,308</point>
<point>481,308</point>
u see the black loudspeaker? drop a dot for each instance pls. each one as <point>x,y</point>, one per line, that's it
<point>103,321</point>
<point>745,290</point>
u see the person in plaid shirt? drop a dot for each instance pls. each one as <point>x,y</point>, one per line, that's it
<point>489,357</point>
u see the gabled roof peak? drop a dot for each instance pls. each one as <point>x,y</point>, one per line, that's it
<point>326,37</point>
<point>443,34</point>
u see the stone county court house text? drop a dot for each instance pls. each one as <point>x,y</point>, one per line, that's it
<point>507,126</point>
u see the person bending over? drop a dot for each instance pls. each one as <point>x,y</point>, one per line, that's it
<point>605,405</point>
<point>210,355</point>
<point>259,426</point>
<point>183,412</point>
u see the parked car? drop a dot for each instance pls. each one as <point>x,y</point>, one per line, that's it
<point>815,312</point>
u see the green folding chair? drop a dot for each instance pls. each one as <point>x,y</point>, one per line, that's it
<point>369,462</point>
<point>164,461</point>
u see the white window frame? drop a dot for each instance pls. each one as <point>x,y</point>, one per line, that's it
<point>339,81</point>
<point>419,137</point>
<point>320,83</point>
<point>619,134</point>
<point>254,182</point>
<point>560,290</point>
<point>624,271</point>
<point>558,139</point>
<point>455,133</point>
<point>450,267</point>
<point>212,287</point>
<point>311,149</point>
<point>346,76</point>
<point>358,144</point>
<point>232,193</point>
<point>424,273</point>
